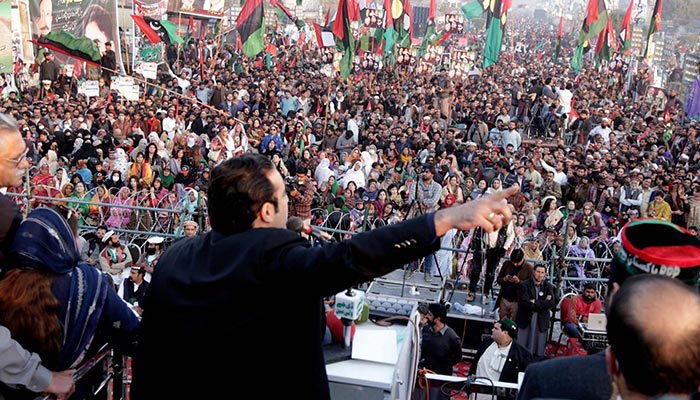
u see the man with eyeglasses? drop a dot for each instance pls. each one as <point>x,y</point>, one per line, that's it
<point>17,365</point>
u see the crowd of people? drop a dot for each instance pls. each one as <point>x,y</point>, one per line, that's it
<point>587,153</point>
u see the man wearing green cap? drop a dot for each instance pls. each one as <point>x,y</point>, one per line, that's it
<point>647,247</point>
<point>500,357</point>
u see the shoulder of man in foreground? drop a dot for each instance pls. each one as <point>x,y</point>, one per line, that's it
<point>572,378</point>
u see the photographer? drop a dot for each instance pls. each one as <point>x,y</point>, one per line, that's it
<point>301,194</point>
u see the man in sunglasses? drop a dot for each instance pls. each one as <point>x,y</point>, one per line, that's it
<point>17,365</point>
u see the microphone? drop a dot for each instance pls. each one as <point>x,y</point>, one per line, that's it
<point>297,225</point>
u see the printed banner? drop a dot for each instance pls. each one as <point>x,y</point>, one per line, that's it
<point>373,18</point>
<point>425,68</point>
<point>200,7</point>
<point>406,56</point>
<point>143,50</point>
<point>22,48</point>
<point>95,19</point>
<point>371,62</point>
<point>127,87</point>
<point>454,23</point>
<point>6,55</point>
<point>327,54</point>
<point>149,70</point>
<point>433,54</point>
<point>460,64</point>
<point>90,88</point>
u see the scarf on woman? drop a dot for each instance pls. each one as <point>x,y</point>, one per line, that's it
<point>45,241</point>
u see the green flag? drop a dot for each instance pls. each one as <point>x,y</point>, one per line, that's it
<point>473,9</point>
<point>495,24</point>
<point>342,30</point>
<point>251,27</point>
<point>655,24</point>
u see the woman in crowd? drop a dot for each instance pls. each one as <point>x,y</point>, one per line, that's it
<point>550,216</point>
<point>452,193</point>
<point>119,217</point>
<point>480,189</point>
<point>57,306</point>
<point>81,193</point>
<point>98,213</point>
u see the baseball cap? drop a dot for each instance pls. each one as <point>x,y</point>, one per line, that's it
<point>509,326</point>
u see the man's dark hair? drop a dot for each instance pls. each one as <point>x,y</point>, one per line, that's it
<point>517,255</point>
<point>439,311</point>
<point>238,188</point>
<point>654,360</point>
<point>589,286</point>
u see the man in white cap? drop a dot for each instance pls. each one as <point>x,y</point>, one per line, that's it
<point>603,129</point>
<point>151,255</point>
<point>115,259</point>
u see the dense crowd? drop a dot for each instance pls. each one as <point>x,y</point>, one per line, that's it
<point>588,151</point>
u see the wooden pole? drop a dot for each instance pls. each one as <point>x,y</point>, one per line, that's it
<point>179,45</point>
<point>126,42</point>
<point>328,94</point>
<point>218,48</point>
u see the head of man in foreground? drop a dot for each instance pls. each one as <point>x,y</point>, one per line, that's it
<point>654,338</point>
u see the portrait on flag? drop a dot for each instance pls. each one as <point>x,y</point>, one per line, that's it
<point>372,18</point>
<point>454,23</point>
<point>433,53</point>
<point>406,56</point>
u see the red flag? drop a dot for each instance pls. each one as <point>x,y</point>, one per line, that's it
<point>328,17</point>
<point>353,10</point>
<point>319,39</point>
<point>442,39</point>
<point>389,17</point>
<point>593,12</point>
<point>431,10</point>
<point>409,11</point>
<point>505,6</point>
<point>560,32</point>
<point>339,28</point>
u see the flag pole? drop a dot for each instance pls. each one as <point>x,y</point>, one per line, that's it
<point>218,48</point>
<point>179,45</point>
<point>328,94</point>
<point>126,42</point>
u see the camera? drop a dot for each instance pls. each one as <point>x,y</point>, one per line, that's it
<point>291,184</point>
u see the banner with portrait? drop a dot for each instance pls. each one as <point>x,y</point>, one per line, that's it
<point>327,54</point>
<point>454,24</point>
<point>143,50</point>
<point>425,68</point>
<point>372,18</point>
<point>95,19</point>
<point>6,54</point>
<point>22,48</point>
<point>371,62</point>
<point>206,8</point>
<point>460,64</point>
<point>406,56</point>
<point>433,53</point>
